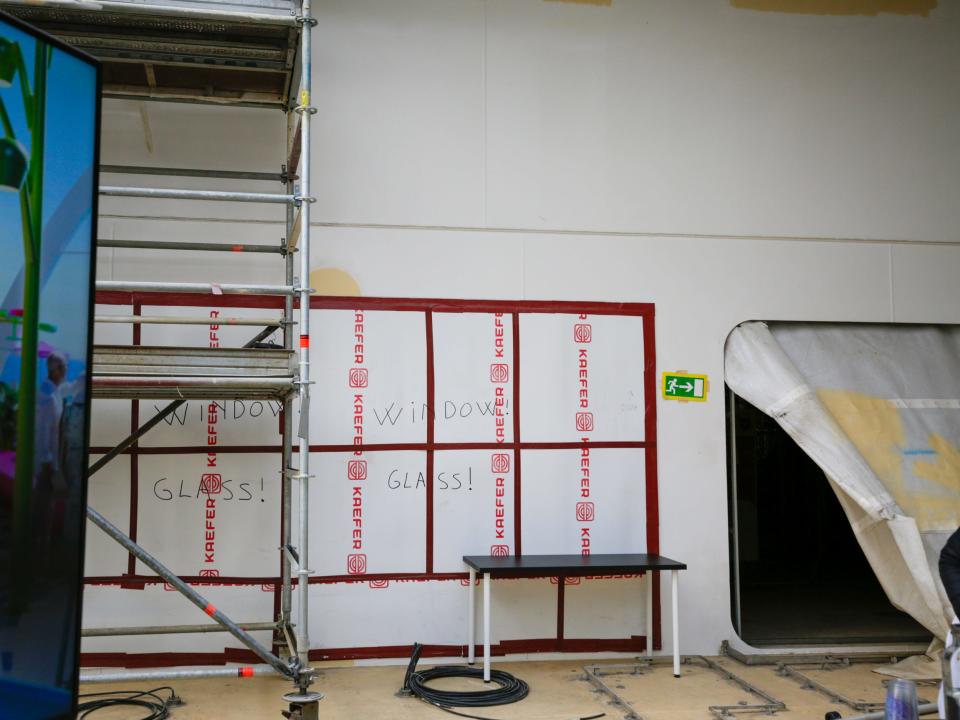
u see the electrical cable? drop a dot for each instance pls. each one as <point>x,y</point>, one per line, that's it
<point>509,689</point>
<point>159,708</point>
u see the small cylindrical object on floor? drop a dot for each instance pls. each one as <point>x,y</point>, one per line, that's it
<point>901,700</point>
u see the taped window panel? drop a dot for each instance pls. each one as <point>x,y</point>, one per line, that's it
<point>369,514</point>
<point>575,503</point>
<point>196,512</point>
<point>581,375</point>
<point>380,357</point>
<point>474,508</point>
<point>474,377</point>
<point>871,405</point>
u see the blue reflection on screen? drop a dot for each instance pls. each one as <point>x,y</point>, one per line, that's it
<point>41,491</point>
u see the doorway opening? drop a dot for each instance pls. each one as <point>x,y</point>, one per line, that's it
<point>798,575</point>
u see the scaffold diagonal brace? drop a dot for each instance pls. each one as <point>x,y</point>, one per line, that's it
<point>290,671</point>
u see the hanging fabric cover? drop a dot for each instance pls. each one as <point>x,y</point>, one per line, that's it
<point>875,406</point>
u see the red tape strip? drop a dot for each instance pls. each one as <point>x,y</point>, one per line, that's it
<point>304,341</point>
<point>210,609</point>
<point>245,672</point>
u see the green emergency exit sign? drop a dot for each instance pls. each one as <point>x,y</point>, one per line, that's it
<point>685,387</point>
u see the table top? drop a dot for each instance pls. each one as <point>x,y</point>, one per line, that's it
<point>544,565</point>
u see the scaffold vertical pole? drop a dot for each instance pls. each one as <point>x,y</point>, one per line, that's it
<point>303,546</point>
<point>286,504</point>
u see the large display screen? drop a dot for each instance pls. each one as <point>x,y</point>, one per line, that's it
<point>49,127</point>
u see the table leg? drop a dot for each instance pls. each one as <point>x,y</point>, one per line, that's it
<point>486,627</point>
<point>675,597</point>
<point>471,614</point>
<point>649,612</point>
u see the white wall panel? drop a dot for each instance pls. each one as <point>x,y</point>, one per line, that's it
<point>658,116</point>
<point>399,135</point>
<point>925,287</point>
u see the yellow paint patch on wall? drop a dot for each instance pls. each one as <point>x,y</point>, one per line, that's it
<point>945,470</point>
<point>601,3</point>
<point>876,429</point>
<point>921,8</point>
<point>334,281</point>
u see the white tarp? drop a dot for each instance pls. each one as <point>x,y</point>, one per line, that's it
<point>875,406</point>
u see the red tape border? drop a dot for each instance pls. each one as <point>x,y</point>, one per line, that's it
<point>428,307</point>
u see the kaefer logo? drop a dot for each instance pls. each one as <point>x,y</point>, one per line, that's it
<point>499,373</point>
<point>583,333</point>
<point>267,587</point>
<point>357,564</point>
<point>211,484</point>
<point>379,584</point>
<point>209,573</point>
<point>585,422</point>
<point>357,470</point>
<point>500,463</point>
<point>499,550</point>
<point>585,512</point>
<point>358,377</point>
<point>566,581</point>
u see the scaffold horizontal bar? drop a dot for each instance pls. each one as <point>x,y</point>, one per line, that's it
<point>211,288</point>
<point>134,675</point>
<point>191,172</point>
<point>185,320</point>
<point>173,629</point>
<point>179,194</point>
<point>207,247</point>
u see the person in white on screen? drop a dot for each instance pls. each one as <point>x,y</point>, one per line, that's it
<point>47,440</point>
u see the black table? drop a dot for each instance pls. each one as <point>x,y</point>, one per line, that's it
<point>563,566</point>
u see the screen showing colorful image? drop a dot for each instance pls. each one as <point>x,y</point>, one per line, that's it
<point>49,109</point>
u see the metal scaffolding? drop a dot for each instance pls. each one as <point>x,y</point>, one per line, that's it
<point>254,371</point>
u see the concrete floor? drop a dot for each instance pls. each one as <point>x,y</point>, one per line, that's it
<point>558,692</point>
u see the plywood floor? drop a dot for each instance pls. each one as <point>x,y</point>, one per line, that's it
<point>559,691</point>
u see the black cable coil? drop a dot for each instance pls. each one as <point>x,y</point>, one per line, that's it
<point>147,699</point>
<point>509,689</point>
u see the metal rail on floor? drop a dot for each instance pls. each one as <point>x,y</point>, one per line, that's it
<point>595,673</point>
<point>770,706</point>
<point>808,683</point>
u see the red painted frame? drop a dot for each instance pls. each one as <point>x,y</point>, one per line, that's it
<point>428,307</point>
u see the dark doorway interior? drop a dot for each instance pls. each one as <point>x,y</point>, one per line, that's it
<point>803,579</point>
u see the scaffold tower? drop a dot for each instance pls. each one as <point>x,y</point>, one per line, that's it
<point>239,53</point>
